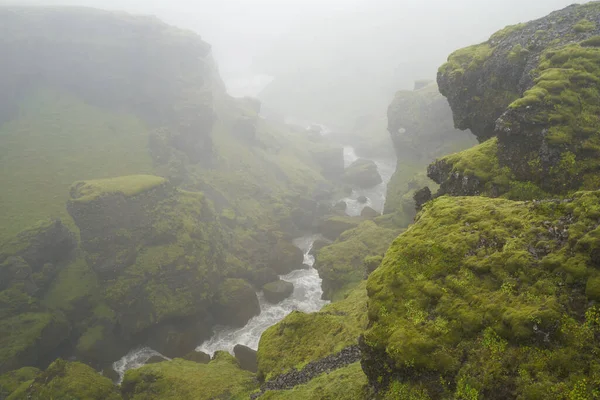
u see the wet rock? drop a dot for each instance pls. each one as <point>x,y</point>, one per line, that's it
<point>246,357</point>
<point>277,291</point>
<point>363,174</point>
<point>178,338</point>
<point>236,303</point>
<point>369,213</point>
<point>111,374</point>
<point>362,199</point>
<point>198,357</point>
<point>340,206</point>
<point>262,276</point>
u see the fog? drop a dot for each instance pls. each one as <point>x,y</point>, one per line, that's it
<point>330,60</point>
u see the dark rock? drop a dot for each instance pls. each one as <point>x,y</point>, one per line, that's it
<point>262,276</point>
<point>236,303</point>
<point>198,357</point>
<point>362,199</point>
<point>277,291</point>
<point>340,206</point>
<point>111,374</point>
<point>421,197</point>
<point>246,357</point>
<point>362,173</point>
<point>177,338</point>
<point>369,213</point>
<point>285,257</point>
<point>156,360</point>
<point>294,378</point>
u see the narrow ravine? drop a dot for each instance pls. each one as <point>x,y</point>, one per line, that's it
<point>307,283</point>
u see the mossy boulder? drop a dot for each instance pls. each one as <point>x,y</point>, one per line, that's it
<point>301,338</point>
<point>236,303</point>
<point>198,357</point>
<point>532,86</point>
<point>363,174</point>
<point>246,357</point>
<point>277,291</point>
<point>330,160</point>
<point>340,264</point>
<point>222,378</point>
<point>369,213</point>
<point>332,227</point>
<point>68,380</point>
<point>480,292</point>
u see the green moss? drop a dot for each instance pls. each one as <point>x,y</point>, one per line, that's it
<point>11,381</point>
<point>348,383</point>
<point>594,41</point>
<point>75,283</point>
<point>565,98</point>
<point>128,186</point>
<point>58,139</point>
<point>180,379</point>
<point>69,380</point>
<point>584,25</point>
<point>301,338</point>
<point>518,53</point>
<point>467,59</point>
<point>340,264</point>
<point>481,293</point>
<point>22,336</point>
<point>509,30</point>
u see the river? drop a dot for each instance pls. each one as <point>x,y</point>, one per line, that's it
<point>307,284</point>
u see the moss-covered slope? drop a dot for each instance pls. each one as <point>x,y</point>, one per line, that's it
<point>534,86</point>
<point>492,299</point>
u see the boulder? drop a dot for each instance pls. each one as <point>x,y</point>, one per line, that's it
<point>285,257</point>
<point>262,276</point>
<point>421,197</point>
<point>277,291</point>
<point>369,213</point>
<point>333,227</point>
<point>197,357</point>
<point>236,303</point>
<point>340,206</point>
<point>363,174</point>
<point>362,199</point>
<point>178,338</point>
<point>246,357</point>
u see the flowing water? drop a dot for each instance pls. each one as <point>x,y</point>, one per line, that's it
<point>306,297</point>
<point>307,284</point>
<point>375,195</point>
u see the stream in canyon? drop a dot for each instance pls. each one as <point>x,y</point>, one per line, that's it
<point>307,292</point>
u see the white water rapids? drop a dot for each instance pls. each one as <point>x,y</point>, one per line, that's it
<point>307,284</point>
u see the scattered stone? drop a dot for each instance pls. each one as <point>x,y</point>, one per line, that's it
<point>246,357</point>
<point>362,173</point>
<point>277,291</point>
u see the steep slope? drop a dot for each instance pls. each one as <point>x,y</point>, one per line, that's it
<point>178,197</point>
<point>534,87</point>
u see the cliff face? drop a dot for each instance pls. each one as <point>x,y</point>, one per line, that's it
<point>420,125</point>
<point>534,87</point>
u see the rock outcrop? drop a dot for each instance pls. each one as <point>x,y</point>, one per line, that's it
<point>532,86</point>
<point>246,357</point>
<point>363,174</point>
<point>277,291</point>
